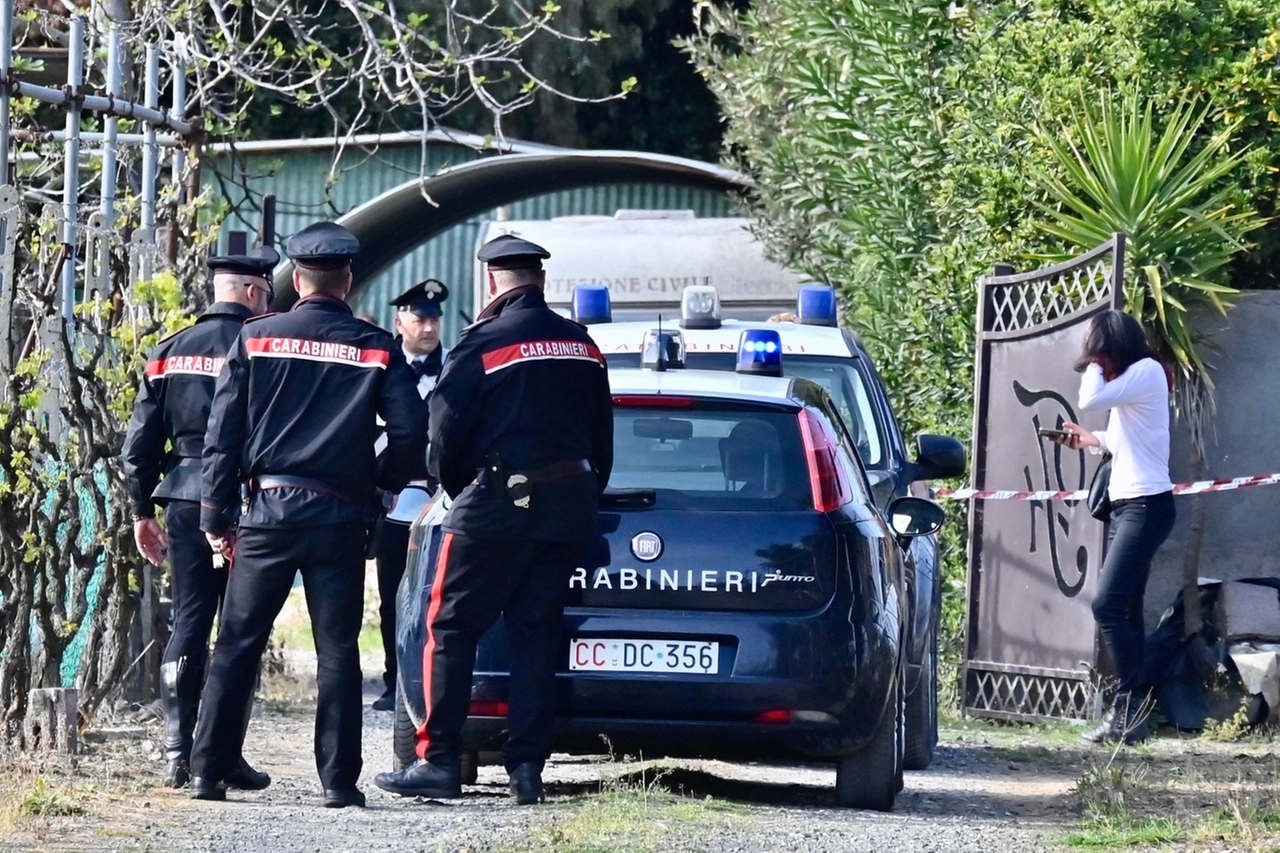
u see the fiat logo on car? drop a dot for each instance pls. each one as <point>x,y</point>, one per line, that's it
<point>647,546</point>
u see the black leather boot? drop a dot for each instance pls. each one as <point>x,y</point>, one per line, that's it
<point>179,722</point>
<point>526,784</point>
<point>440,779</point>
<point>1126,721</point>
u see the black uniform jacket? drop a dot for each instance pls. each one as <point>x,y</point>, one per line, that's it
<point>300,397</point>
<point>531,387</point>
<point>173,409</point>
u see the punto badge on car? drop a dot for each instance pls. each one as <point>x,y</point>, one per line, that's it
<point>647,546</point>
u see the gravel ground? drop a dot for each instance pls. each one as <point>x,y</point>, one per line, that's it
<point>979,796</point>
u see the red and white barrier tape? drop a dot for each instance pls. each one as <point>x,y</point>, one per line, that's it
<point>1196,488</point>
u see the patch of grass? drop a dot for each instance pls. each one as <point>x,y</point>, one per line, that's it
<point>633,814</point>
<point>1046,734</point>
<point>45,800</point>
<point>1126,832</point>
<point>1231,730</point>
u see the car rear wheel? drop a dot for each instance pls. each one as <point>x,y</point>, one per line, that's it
<point>922,716</point>
<point>470,766</point>
<point>404,740</point>
<point>404,734</point>
<point>872,777</point>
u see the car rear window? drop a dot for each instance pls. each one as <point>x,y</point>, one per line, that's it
<point>838,377</point>
<point>712,456</point>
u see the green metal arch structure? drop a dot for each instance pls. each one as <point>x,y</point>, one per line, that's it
<point>401,219</point>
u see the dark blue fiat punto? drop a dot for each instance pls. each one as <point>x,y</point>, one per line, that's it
<point>745,597</point>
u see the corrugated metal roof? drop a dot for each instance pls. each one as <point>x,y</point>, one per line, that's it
<point>298,178</point>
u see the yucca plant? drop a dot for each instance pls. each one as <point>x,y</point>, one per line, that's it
<point>1113,170</point>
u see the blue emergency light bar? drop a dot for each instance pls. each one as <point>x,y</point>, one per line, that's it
<point>760,352</point>
<point>591,304</point>
<point>816,305</point>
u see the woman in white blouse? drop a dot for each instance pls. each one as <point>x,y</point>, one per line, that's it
<point>1121,373</point>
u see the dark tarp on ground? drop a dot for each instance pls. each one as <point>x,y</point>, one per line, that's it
<point>1194,678</point>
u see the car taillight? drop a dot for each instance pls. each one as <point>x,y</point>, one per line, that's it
<point>826,477</point>
<point>488,709</point>
<point>653,401</point>
<point>775,716</point>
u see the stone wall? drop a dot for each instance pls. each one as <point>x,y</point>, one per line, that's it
<point>1242,527</point>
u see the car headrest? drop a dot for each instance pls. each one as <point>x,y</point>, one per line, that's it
<point>751,453</point>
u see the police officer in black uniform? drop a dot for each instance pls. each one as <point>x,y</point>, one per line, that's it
<point>173,409</point>
<point>417,322</point>
<point>295,415</point>
<point>522,440</point>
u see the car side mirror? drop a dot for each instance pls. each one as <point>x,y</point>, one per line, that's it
<point>911,517</point>
<point>939,457</point>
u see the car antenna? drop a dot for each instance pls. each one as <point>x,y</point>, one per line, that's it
<point>660,364</point>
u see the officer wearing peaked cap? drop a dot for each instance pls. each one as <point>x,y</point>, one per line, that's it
<point>295,416</point>
<point>417,323</point>
<point>522,440</point>
<point>172,410</point>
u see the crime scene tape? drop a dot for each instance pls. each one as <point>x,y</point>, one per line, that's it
<point>1196,488</point>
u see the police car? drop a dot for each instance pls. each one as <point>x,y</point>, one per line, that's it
<point>815,348</point>
<point>746,596</point>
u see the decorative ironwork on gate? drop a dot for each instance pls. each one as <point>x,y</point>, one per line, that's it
<point>1031,649</point>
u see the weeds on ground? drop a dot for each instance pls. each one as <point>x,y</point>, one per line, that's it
<point>633,812</point>
<point>27,796</point>
<point>1231,730</point>
<point>1131,799</point>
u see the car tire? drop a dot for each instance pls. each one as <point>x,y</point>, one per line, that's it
<point>470,766</point>
<point>404,734</point>
<point>872,777</point>
<point>922,716</point>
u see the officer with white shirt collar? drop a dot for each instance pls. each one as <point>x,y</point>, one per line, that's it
<point>417,324</point>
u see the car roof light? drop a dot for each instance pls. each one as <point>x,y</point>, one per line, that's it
<point>663,349</point>
<point>760,352</point>
<point>700,307</point>
<point>816,305</point>
<point>591,304</point>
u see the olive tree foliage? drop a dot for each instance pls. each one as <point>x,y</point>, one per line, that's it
<point>69,571</point>
<point>900,149</point>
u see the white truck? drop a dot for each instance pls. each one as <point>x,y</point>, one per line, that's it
<point>647,258</point>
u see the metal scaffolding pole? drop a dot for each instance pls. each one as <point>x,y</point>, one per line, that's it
<point>177,113</point>
<point>110,128</point>
<point>71,168</point>
<point>150,161</point>
<point>6,68</point>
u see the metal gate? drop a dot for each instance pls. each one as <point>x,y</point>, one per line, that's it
<point>1030,641</point>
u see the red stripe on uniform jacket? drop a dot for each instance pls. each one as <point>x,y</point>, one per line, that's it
<point>498,359</point>
<point>187,365</point>
<point>311,350</point>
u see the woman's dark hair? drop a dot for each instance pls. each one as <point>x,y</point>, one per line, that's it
<point>1114,340</point>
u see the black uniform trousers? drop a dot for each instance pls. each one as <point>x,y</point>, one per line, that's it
<point>475,581</point>
<point>196,587</point>
<point>331,560</point>
<point>393,551</point>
